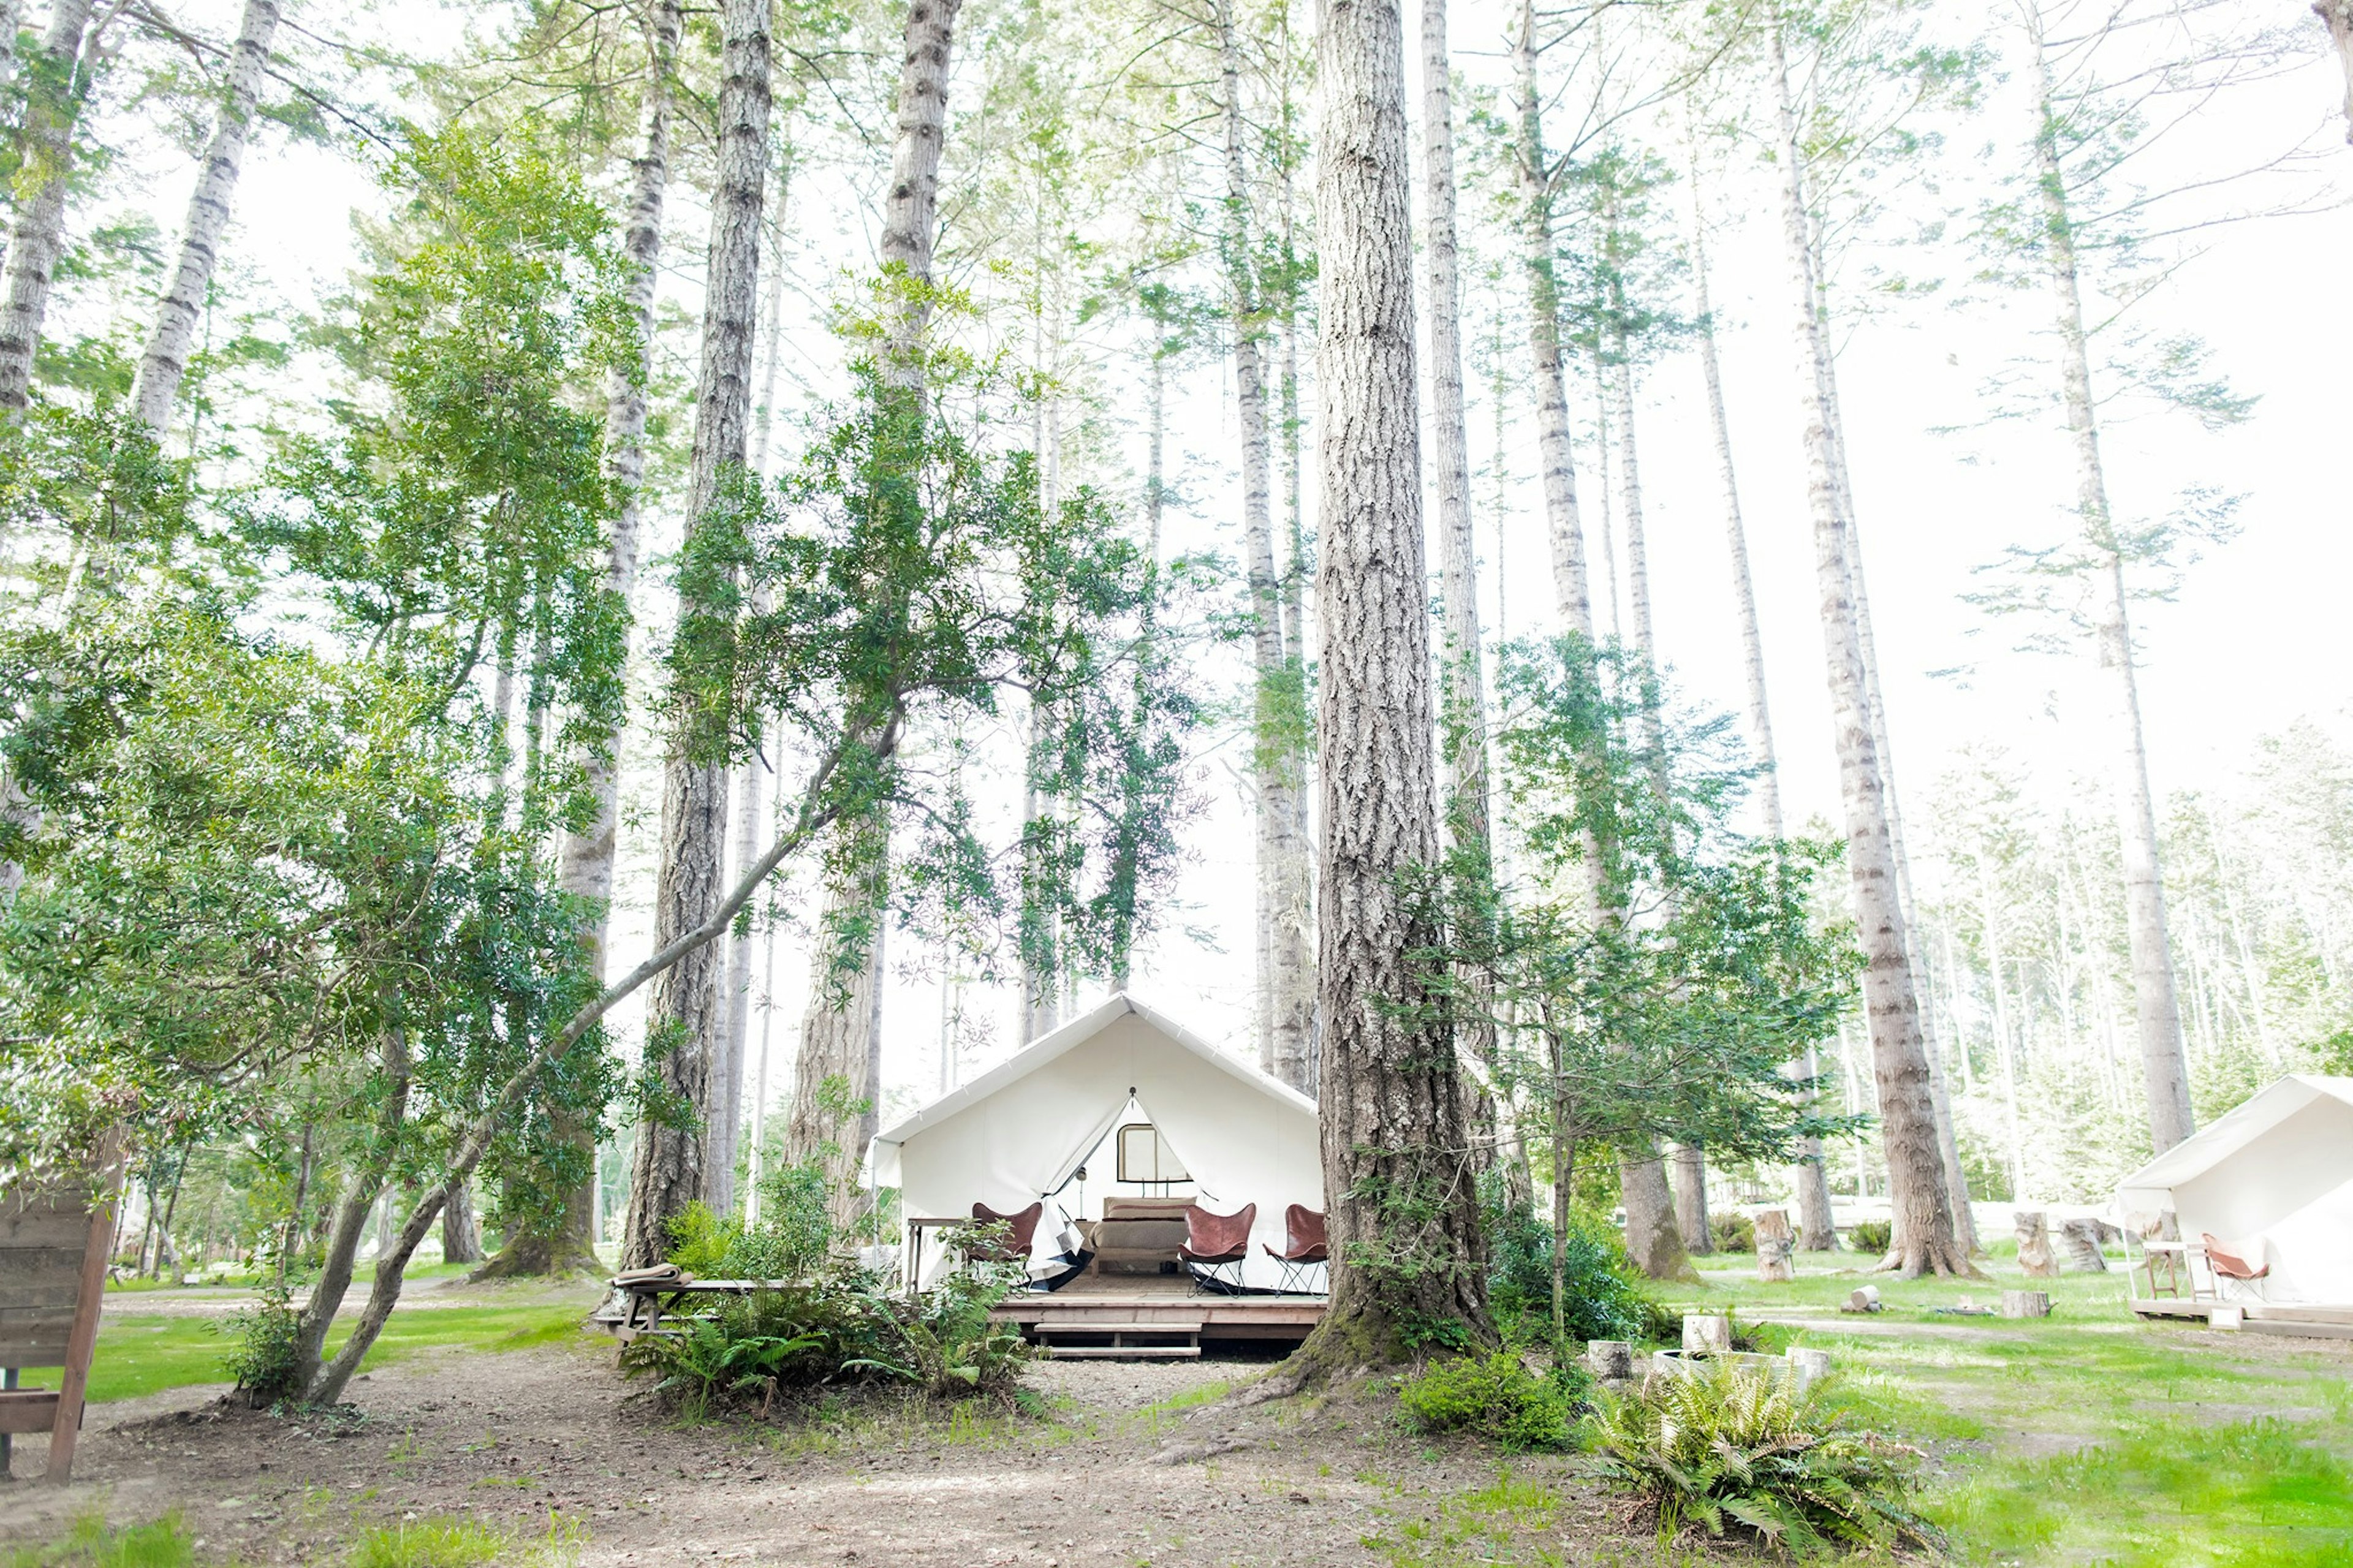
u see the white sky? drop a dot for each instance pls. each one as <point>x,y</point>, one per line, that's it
<point>2255,640</point>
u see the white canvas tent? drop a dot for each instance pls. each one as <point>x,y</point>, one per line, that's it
<point>2275,1177</point>
<point>1018,1132</point>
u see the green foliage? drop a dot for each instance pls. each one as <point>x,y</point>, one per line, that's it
<point>1730,1448</point>
<point>1496,1398</point>
<point>1732,1231</point>
<point>1602,1297</point>
<point>1871,1237</point>
<point>428,1543</point>
<point>266,1361</point>
<point>165,1542</point>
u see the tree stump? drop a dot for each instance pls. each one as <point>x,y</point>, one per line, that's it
<point>2034,1254</point>
<point>1808,1367</point>
<point>1708,1334</point>
<point>1610,1359</point>
<point>1775,1243</point>
<point>2026,1303</point>
<point>2082,1236</point>
<point>1864,1299</point>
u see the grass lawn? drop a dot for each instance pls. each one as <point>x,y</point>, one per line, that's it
<point>2088,1437</point>
<point>140,1353</point>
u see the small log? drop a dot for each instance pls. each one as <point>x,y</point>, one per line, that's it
<point>1608,1359</point>
<point>2082,1236</point>
<point>1865,1299</point>
<point>1708,1334</point>
<point>1775,1244</point>
<point>2034,1254</point>
<point>2026,1303</point>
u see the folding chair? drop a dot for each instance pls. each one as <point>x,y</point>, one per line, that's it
<point>1305,1245</point>
<point>1215,1242</point>
<point>2233,1274</point>
<point>1016,1248</point>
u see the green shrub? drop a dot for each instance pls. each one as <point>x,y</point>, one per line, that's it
<point>792,1240</point>
<point>1600,1296</point>
<point>428,1543</point>
<point>1732,1231</point>
<point>265,1360</point>
<point>165,1543</point>
<point>1498,1398</point>
<point>1729,1447</point>
<point>1870,1236</point>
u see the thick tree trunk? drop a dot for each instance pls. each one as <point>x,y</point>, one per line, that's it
<point>833,1082</point>
<point>1923,1217</point>
<point>1286,980</point>
<point>2164,1063</point>
<point>166,359</point>
<point>461,1232</point>
<point>1571,589</point>
<point>685,1019</point>
<point>59,81</point>
<point>1406,1248</point>
<point>1691,1200</point>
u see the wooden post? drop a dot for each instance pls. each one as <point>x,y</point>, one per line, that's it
<point>1775,1244</point>
<point>2026,1303</point>
<point>2034,1254</point>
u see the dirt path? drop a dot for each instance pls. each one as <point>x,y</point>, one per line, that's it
<point>1136,1464</point>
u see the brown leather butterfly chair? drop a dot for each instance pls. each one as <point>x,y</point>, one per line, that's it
<point>1304,1245</point>
<point>1015,1247</point>
<point>1215,1242</point>
<point>2231,1270</point>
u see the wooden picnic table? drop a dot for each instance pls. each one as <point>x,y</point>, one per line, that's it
<point>651,1300</point>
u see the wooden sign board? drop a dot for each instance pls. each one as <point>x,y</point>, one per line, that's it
<point>54,1246</point>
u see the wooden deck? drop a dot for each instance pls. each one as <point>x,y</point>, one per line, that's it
<point>1149,1315</point>
<point>2302,1320</point>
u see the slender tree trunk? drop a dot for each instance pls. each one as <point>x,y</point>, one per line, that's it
<point>363,1182</point>
<point>2164,1063</point>
<point>1920,1204</point>
<point>585,867</point>
<point>685,1020</point>
<point>1286,981</point>
<point>1462,686</point>
<point>1407,1246</point>
<point>2005,1034</point>
<point>1571,589</point>
<point>727,1097</point>
<point>184,300</point>
<point>59,81</point>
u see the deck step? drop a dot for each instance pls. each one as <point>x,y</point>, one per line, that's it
<point>1119,1326</point>
<point>1153,1352</point>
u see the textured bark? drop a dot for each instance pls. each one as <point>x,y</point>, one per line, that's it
<point>166,358</point>
<point>1922,1215</point>
<point>461,1232</point>
<point>1571,589</point>
<point>1285,979</point>
<point>2165,1065</point>
<point>2338,17</point>
<point>1396,1171</point>
<point>910,213</point>
<point>685,1017</point>
<point>59,81</point>
<point>833,1080</point>
<point>1691,1200</point>
<point>727,1096</point>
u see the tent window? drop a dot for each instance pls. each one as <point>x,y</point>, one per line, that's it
<point>1146,1156</point>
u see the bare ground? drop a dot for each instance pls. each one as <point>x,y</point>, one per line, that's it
<point>1110,1474</point>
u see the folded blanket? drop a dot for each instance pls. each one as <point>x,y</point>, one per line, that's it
<point>659,1274</point>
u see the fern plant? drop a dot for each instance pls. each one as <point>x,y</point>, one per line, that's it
<point>1728,1446</point>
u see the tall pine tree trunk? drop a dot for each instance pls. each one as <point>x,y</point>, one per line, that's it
<point>835,1078</point>
<point>585,863</point>
<point>2165,1065</point>
<point>1405,1245</point>
<point>2337,14</point>
<point>166,359</point>
<point>1286,978</point>
<point>1923,1216</point>
<point>57,84</point>
<point>685,1019</point>
<point>727,1094</point>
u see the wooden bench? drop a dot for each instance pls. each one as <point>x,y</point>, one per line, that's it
<point>648,1301</point>
<point>54,1246</point>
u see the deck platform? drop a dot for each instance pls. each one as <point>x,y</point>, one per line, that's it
<point>2300,1320</point>
<point>1149,1315</point>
